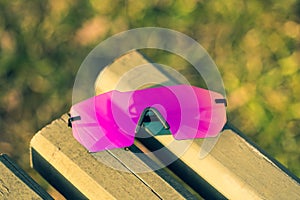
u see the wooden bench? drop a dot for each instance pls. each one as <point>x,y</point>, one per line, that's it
<point>234,169</point>
<point>16,184</point>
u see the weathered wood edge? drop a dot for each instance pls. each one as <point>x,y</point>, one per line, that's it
<point>13,188</point>
<point>263,152</point>
<point>61,160</point>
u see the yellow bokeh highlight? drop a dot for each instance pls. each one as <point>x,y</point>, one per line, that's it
<point>291,64</point>
<point>135,9</point>
<point>275,42</point>
<point>254,66</point>
<point>295,110</point>
<point>104,6</point>
<point>295,86</point>
<point>92,30</point>
<point>185,7</point>
<point>292,29</point>
<point>276,100</point>
<point>256,112</point>
<point>7,42</point>
<point>252,39</point>
<point>231,81</point>
<point>58,9</point>
<point>241,96</point>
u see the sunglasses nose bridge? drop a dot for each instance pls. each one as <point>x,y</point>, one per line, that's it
<point>156,114</point>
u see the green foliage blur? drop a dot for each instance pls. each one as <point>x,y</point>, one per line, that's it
<point>255,45</point>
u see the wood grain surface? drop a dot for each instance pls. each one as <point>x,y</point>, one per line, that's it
<point>233,169</point>
<point>16,184</point>
<point>76,173</point>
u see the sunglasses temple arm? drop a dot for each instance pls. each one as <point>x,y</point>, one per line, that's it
<point>156,113</point>
<point>71,119</point>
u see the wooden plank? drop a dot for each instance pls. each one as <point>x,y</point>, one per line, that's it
<point>136,162</point>
<point>76,173</point>
<point>234,167</point>
<point>16,184</point>
<point>134,62</point>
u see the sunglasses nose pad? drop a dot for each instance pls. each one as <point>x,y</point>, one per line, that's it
<point>153,122</point>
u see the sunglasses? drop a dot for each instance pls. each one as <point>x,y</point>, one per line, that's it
<point>111,120</point>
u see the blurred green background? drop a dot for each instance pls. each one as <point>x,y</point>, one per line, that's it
<point>255,44</point>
